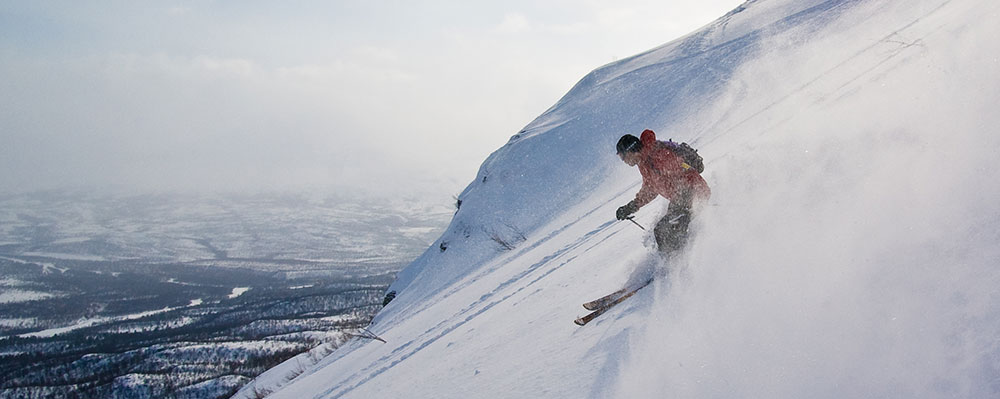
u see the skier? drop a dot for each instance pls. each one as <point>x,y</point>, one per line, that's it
<point>665,173</point>
<point>673,171</point>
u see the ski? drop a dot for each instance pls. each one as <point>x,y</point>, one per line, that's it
<point>608,303</point>
<point>593,315</point>
<point>604,300</point>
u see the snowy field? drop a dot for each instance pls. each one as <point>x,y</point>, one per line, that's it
<point>87,226</point>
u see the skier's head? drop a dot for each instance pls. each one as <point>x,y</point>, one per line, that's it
<point>628,143</point>
<point>628,149</point>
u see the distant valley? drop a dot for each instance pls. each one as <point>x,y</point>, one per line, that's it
<point>190,296</point>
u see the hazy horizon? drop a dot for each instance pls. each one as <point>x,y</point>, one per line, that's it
<point>386,98</point>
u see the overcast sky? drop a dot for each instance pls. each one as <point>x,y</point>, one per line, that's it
<point>245,95</point>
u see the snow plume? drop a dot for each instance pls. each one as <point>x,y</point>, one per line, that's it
<point>849,249</point>
<point>853,245</point>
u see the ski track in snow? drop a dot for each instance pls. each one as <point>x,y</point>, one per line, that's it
<point>477,308</point>
<point>826,73</point>
<point>457,287</point>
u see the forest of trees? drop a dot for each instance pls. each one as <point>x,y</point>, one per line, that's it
<point>209,350</point>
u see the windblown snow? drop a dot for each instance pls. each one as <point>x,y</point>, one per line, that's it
<point>849,250</point>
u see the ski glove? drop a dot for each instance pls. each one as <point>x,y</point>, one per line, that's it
<point>624,212</point>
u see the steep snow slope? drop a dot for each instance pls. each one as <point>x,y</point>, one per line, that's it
<point>850,248</point>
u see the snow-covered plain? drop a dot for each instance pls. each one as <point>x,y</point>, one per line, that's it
<point>849,250</point>
<point>88,322</point>
<point>256,230</point>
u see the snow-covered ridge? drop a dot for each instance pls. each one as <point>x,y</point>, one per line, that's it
<point>849,249</point>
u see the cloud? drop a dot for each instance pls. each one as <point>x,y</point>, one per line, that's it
<point>514,23</point>
<point>229,67</point>
<point>178,11</point>
<point>126,96</point>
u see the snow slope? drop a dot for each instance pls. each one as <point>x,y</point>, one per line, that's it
<point>850,248</point>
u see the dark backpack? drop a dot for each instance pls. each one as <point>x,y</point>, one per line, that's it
<point>688,154</point>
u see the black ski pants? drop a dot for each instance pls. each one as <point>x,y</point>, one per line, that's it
<point>671,231</point>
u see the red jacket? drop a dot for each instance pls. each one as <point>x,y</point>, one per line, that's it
<point>665,173</point>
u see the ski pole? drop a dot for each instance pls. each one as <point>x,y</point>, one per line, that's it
<point>632,219</point>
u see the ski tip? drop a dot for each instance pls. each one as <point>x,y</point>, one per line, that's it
<point>580,321</point>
